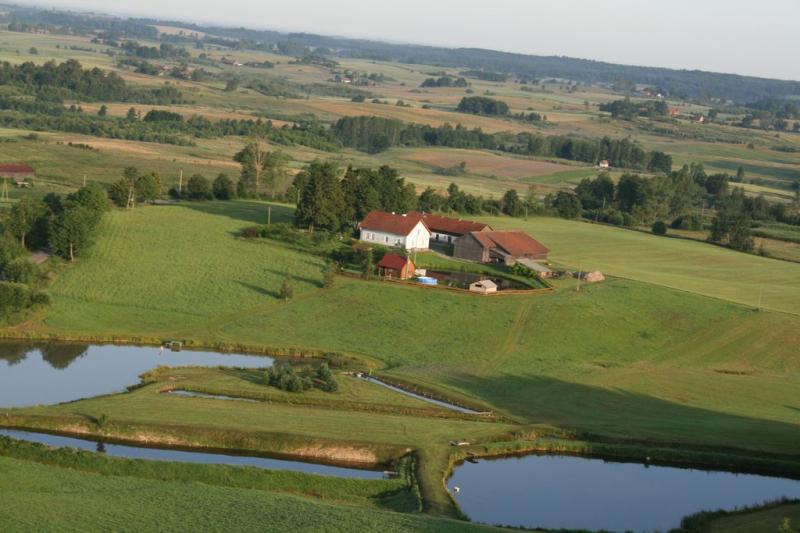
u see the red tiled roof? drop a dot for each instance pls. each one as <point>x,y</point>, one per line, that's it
<point>516,243</point>
<point>389,223</point>
<point>393,261</point>
<point>454,226</point>
<point>16,168</point>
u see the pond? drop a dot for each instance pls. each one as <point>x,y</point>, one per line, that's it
<point>579,493</point>
<point>183,456</point>
<point>55,372</point>
<point>462,280</point>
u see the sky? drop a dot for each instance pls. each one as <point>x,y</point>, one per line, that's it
<point>755,37</point>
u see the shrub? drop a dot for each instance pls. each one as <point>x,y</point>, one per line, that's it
<point>659,228</point>
<point>20,270</point>
<point>223,188</point>
<point>198,188</point>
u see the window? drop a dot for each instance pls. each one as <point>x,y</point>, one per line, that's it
<point>386,238</point>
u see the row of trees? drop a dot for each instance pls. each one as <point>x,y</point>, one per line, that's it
<point>627,109</point>
<point>481,105</point>
<point>445,81</point>
<point>69,80</point>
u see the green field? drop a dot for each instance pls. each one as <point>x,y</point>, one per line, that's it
<point>41,498</point>
<point>676,263</point>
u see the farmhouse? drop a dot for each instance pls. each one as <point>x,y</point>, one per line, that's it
<point>446,229</point>
<point>389,229</point>
<point>604,164</point>
<point>396,266</point>
<point>504,247</point>
<point>20,173</point>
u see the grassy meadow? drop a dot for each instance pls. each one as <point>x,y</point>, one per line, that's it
<point>43,498</point>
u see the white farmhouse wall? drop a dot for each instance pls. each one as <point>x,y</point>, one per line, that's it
<point>417,239</point>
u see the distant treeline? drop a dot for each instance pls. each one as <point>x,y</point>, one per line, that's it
<point>54,82</point>
<point>484,64</point>
<point>445,81</point>
<point>627,109</point>
<point>157,126</point>
<point>375,134</point>
<point>481,105</point>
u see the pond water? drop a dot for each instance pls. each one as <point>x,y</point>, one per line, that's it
<point>48,373</point>
<point>182,456</point>
<point>439,403</point>
<point>463,280</point>
<point>578,493</point>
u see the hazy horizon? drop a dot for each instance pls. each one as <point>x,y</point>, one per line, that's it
<point>737,36</point>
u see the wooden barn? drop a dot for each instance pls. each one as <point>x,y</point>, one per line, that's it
<point>504,247</point>
<point>396,266</point>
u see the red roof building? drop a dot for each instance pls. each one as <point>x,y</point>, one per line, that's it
<point>446,229</point>
<point>499,247</point>
<point>396,266</point>
<point>16,171</point>
<point>389,229</point>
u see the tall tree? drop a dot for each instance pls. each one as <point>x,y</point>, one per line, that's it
<point>70,231</point>
<point>321,201</point>
<point>23,217</point>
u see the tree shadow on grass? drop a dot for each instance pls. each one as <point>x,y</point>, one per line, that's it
<point>250,211</point>
<point>621,414</point>
<point>260,290</point>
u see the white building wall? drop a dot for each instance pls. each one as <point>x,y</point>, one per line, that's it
<point>417,239</point>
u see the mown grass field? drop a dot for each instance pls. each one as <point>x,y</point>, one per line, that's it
<point>41,498</point>
<point>675,263</point>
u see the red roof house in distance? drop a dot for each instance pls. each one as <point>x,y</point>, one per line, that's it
<point>504,247</point>
<point>389,229</point>
<point>17,172</point>
<point>396,266</point>
<point>604,164</point>
<point>446,229</point>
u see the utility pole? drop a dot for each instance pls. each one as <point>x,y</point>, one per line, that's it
<point>269,214</point>
<point>180,183</point>
<point>84,180</point>
<point>4,195</point>
<point>580,274</point>
<point>760,295</point>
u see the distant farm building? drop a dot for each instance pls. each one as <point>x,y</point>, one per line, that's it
<point>485,286</point>
<point>389,229</point>
<point>446,229</point>
<point>396,266</point>
<point>604,164</point>
<point>21,174</point>
<point>505,247</point>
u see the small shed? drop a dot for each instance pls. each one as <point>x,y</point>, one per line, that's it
<point>604,164</point>
<point>484,286</point>
<point>541,270</point>
<point>396,266</point>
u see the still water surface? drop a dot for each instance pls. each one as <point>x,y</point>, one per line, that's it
<point>48,373</point>
<point>579,493</point>
<point>181,456</point>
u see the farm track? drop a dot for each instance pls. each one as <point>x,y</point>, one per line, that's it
<point>491,365</point>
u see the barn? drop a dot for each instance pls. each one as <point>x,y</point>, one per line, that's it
<point>446,229</point>
<point>18,172</point>
<point>504,247</point>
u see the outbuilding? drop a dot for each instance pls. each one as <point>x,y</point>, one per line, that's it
<point>504,247</point>
<point>484,286</point>
<point>396,266</point>
<point>447,229</point>
<point>18,172</point>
